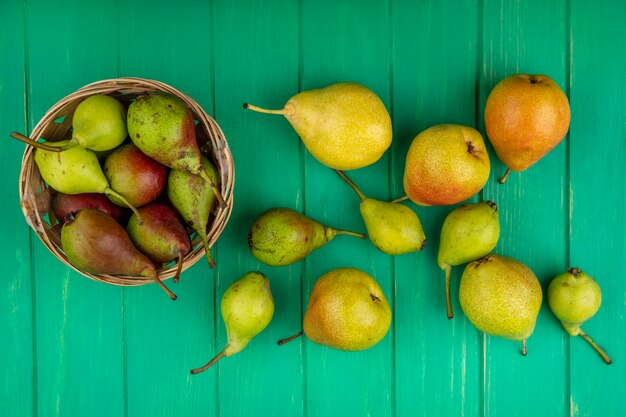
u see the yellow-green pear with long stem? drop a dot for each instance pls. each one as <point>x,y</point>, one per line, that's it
<point>247,308</point>
<point>501,296</point>
<point>72,171</point>
<point>574,297</point>
<point>343,125</point>
<point>469,232</point>
<point>392,227</point>
<point>281,236</point>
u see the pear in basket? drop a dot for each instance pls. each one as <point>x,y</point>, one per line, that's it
<point>163,127</point>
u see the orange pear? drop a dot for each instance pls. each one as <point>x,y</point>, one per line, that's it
<point>526,116</point>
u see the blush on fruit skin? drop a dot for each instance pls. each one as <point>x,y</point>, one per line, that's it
<point>526,116</point>
<point>446,164</point>
<point>63,204</point>
<point>139,178</point>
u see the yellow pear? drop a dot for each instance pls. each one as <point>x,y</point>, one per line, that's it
<point>526,116</point>
<point>344,126</point>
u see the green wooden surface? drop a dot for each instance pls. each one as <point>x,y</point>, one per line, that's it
<point>73,347</point>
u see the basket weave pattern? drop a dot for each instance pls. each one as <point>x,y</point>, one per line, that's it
<point>35,196</point>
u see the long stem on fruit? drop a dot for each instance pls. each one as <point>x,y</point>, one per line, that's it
<point>597,348</point>
<point>290,338</point>
<point>349,233</point>
<point>524,352</point>
<point>211,363</point>
<point>262,110</point>
<point>351,184</point>
<point>505,176</point>
<point>216,191</point>
<point>179,268</point>
<point>207,249</point>
<point>112,192</point>
<point>156,279</point>
<point>34,143</point>
<point>401,199</point>
<point>448,301</point>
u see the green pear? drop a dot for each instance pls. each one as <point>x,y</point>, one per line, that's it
<point>393,228</point>
<point>247,308</point>
<point>501,297</point>
<point>163,127</point>
<point>74,171</point>
<point>193,197</point>
<point>281,236</point>
<point>99,124</point>
<point>575,297</point>
<point>469,232</point>
<point>344,125</point>
<point>347,310</point>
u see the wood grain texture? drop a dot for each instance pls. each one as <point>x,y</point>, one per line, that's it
<point>18,379</point>
<point>73,347</point>
<point>597,157</point>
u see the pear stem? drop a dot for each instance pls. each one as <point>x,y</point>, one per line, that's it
<point>351,184</point>
<point>597,348</point>
<point>179,269</point>
<point>505,176</point>
<point>262,110</point>
<point>110,191</point>
<point>448,270</point>
<point>290,338</point>
<point>156,279</point>
<point>211,363</point>
<point>401,199</point>
<point>216,191</point>
<point>524,352</point>
<point>207,249</point>
<point>34,143</point>
<point>349,233</point>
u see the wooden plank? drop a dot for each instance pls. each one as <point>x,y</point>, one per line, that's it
<point>18,377</point>
<point>165,339</point>
<point>530,38</point>
<point>347,41</point>
<point>597,159</point>
<point>434,71</point>
<point>264,378</point>
<point>79,322</point>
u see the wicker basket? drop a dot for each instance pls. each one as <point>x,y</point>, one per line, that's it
<point>35,197</point>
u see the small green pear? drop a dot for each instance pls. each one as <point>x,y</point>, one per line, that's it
<point>469,232</point>
<point>347,311</point>
<point>99,124</point>
<point>343,125</point>
<point>73,171</point>
<point>393,228</point>
<point>501,297</point>
<point>247,308</point>
<point>574,297</point>
<point>281,236</point>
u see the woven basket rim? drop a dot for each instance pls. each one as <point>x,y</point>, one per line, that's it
<point>29,174</point>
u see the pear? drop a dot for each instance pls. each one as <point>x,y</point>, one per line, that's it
<point>163,127</point>
<point>469,232</point>
<point>72,171</point>
<point>247,308</point>
<point>94,242</point>
<point>574,297</point>
<point>99,124</point>
<point>393,228</point>
<point>526,116</point>
<point>501,297</point>
<point>347,311</point>
<point>446,164</point>
<point>344,125</point>
<point>193,197</point>
<point>281,236</point>
<point>64,204</point>
<point>160,235</point>
<point>139,178</point>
